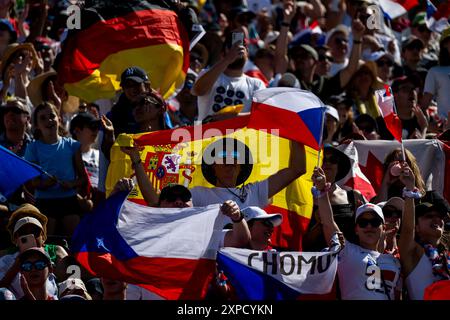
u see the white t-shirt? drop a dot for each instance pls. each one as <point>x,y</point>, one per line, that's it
<point>336,67</point>
<point>228,91</point>
<point>437,83</point>
<point>362,273</point>
<point>91,163</point>
<point>257,195</point>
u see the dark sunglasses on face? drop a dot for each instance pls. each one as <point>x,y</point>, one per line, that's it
<point>363,223</point>
<point>382,63</point>
<point>38,265</point>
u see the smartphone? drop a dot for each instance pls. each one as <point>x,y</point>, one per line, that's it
<point>237,37</point>
<point>26,241</point>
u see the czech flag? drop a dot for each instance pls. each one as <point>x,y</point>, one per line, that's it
<point>169,251</point>
<point>386,105</point>
<point>266,275</point>
<point>297,114</point>
<point>117,34</point>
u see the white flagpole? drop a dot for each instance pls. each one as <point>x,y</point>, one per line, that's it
<point>322,125</point>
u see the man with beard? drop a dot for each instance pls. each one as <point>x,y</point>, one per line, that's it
<point>225,83</point>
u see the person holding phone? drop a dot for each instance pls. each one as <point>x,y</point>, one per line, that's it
<point>28,229</point>
<point>225,84</point>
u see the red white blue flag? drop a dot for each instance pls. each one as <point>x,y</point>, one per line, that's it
<point>386,105</point>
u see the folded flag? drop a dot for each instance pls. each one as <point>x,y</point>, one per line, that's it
<point>169,251</point>
<point>297,114</point>
<point>266,275</point>
<point>15,171</point>
<point>386,106</point>
<point>117,34</point>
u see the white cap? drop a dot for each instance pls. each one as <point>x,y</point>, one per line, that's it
<point>396,202</point>
<point>27,220</point>
<point>369,207</point>
<point>251,213</point>
<point>332,112</point>
<point>71,284</point>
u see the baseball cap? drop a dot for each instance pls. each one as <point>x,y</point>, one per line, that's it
<point>73,284</point>
<point>23,256</point>
<point>256,213</point>
<point>332,112</point>
<point>340,28</point>
<point>369,207</point>
<point>27,220</point>
<point>426,207</point>
<point>136,74</point>
<point>396,202</point>
<point>84,119</point>
<point>18,104</point>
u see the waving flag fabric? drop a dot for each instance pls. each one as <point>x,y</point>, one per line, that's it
<point>169,251</point>
<point>430,157</point>
<point>259,275</point>
<point>296,113</point>
<point>118,34</point>
<point>385,100</point>
<point>15,171</point>
<point>396,8</point>
<point>167,161</point>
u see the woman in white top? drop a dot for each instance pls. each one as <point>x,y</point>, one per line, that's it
<point>364,273</point>
<point>424,257</point>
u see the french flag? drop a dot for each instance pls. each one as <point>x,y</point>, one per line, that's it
<point>267,275</point>
<point>297,114</point>
<point>168,251</point>
<point>386,105</point>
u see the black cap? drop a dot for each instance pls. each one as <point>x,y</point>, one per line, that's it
<point>397,82</point>
<point>135,74</point>
<point>425,207</point>
<point>173,191</point>
<point>84,119</point>
<point>241,10</point>
<point>412,40</point>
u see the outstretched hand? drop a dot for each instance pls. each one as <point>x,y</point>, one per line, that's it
<point>124,184</point>
<point>407,176</point>
<point>230,209</point>
<point>319,179</point>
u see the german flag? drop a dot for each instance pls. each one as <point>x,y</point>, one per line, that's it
<point>117,34</point>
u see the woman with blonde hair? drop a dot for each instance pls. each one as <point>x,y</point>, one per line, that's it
<point>391,185</point>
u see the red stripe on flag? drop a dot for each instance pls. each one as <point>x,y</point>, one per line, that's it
<point>171,278</point>
<point>290,233</point>
<point>289,123</point>
<point>137,29</point>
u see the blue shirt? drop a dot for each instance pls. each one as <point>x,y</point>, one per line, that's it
<point>57,160</point>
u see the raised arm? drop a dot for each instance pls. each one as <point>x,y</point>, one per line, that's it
<point>409,249</point>
<point>329,227</point>
<point>239,236</point>
<point>281,59</point>
<point>206,81</point>
<point>296,168</point>
<point>353,64</point>
<point>149,194</point>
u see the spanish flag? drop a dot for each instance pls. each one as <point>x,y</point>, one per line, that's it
<point>117,34</point>
<point>167,161</point>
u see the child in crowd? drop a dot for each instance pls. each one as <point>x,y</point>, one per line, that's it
<point>60,157</point>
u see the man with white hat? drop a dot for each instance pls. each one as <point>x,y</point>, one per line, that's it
<point>261,225</point>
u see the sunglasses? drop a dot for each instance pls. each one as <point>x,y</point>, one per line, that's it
<point>382,63</point>
<point>363,223</point>
<point>38,265</point>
